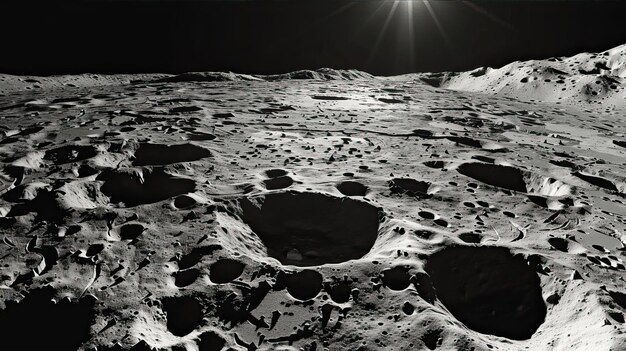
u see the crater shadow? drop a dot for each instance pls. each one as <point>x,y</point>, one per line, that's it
<point>61,326</point>
<point>133,189</point>
<point>309,229</point>
<point>488,289</point>
<point>506,177</point>
<point>158,154</point>
<point>70,153</point>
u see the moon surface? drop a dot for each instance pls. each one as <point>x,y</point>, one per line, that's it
<point>316,210</point>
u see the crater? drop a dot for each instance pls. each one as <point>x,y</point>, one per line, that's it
<point>225,271</point>
<point>559,244</point>
<point>471,238</point>
<point>506,177</point>
<point>131,231</point>
<point>143,187</point>
<point>515,179</point>
<point>304,285</point>
<point>184,201</point>
<point>409,186</point>
<point>62,326</point>
<point>200,136</point>
<point>158,154</point>
<point>340,293</point>
<point>186,277</point>
<point>184,314</point>
<point>274,173</point>
<point>329,97</point>
<point>597,181</point>
<point>197,253</point>
<point>70,153</point>
<point>488,289</point>
<point>276,183</point>
<point>309,229</point>
<point>396,278</point>
<point>210,341</point>
<point>619,298</point>
<point>352,188</point>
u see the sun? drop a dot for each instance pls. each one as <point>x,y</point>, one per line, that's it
<point>407,9</point>
<point>408,16</point>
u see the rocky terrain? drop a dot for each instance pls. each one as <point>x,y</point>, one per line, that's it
<point>317,210</point>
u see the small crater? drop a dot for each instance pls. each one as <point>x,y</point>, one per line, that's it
<point>340,293</point>
<point>131,231</point>
<point>409,186</point>
<point>190,259</point>
<point>506,177</point>
<point>184,201</point>
<point>184,314</point>
<point>274,173</point>
<point>158,154</point>
<point>559,244</point>
<point>426,214</point>
<point>434,164</point>
<point>471,238</point>
<point>184,109</point>
<point>432,339</point>
<point>85,171</point>
<point>391,101</point>
<point>70,153</point>
<point>352,188</point>
<point>94,249</point>
<point>308,229</point>
<point>210,341</point>
<point>563,163</point>
<point>199,136</point>
<point>489,289</point>
<point>186,277</point>
<point>304,285</point>
<point>597,181</point>
<point>396,278</point>
<point>329,97</point>
<point>441,222</point>
<point>140,188</point>
<point>276,183</point>
<point>225,271</point>
<point>619,298</point>
<point>408,308</point>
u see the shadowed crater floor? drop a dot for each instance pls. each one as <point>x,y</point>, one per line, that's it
<point>184,314</point>
<point>34,323</point>
<point>489,290</point>
<point>135,189</point>
<point>70,153</point>
<point>352,188</point>
<point>158,154</point>
<point>506,177</point>
<point>309,229</point>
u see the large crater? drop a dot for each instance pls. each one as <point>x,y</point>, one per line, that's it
<point>310,229</point>
<point>489,290</point>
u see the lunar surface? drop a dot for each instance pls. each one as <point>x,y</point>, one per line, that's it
<point>317,210</point>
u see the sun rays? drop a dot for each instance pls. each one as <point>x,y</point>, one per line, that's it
<point>409,18</point>
<point>407,9</point>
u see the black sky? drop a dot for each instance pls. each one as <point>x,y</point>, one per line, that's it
<point>59,37</point>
